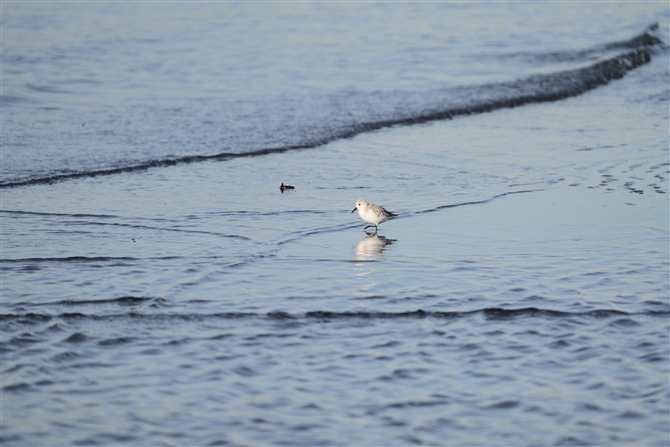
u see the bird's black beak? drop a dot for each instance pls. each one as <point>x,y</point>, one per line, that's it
<point>354,210</point>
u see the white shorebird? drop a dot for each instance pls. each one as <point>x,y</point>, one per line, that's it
<point>372,214</point>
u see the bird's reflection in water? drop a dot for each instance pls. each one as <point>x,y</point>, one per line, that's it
<point>372,246</point>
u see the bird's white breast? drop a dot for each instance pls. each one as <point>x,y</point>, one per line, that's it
<point>373,215</point>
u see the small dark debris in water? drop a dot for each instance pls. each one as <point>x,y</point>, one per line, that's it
<point>284,187</point>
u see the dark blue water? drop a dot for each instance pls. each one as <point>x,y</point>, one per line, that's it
<point>159,289</point>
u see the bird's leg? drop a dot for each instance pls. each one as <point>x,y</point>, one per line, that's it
<point>371,234</point>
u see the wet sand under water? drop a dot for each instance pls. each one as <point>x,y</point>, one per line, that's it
<point>545,248</point>
<point>520,298</point>
<point>582,360</point>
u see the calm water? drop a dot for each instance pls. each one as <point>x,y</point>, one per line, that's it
<point>159,289</point>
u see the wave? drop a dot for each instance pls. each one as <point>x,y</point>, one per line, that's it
<point>319,315</point>
<point>36,213</point>
<point>396,108</point>
<point>86,259</point>
<point>644,40</point>
<point>153,164</point>
<point>475,202</point>
<point>124,300</point>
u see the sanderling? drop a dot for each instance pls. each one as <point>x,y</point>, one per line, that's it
<point>372,214</point>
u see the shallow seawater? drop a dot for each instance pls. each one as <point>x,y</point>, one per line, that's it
<point>519,298</point>
<point>474,378</point>
<point>530,314</point>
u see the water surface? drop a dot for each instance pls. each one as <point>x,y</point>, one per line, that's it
<point>159,289</point>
